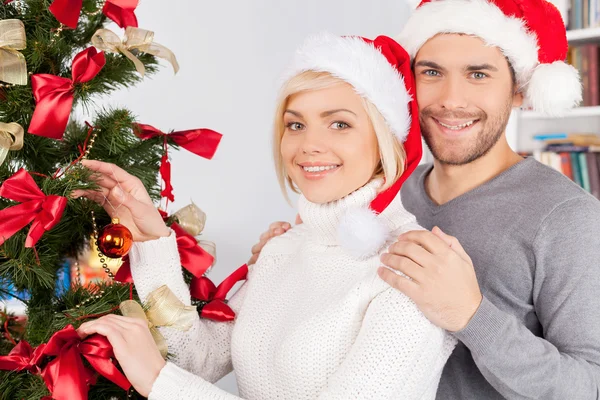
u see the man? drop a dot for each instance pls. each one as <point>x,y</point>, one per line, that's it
<point>519,287</point>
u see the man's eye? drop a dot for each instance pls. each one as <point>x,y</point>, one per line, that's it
<point>479,75</point>
<point>431,72</point>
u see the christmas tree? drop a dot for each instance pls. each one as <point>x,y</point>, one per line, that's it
<point>57,55</point>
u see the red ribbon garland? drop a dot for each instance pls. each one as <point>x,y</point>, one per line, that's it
<point>54,94</point>
<point>216,308</point>
<point>44,211</point>
<point>203,142</point>
<point>121,11</point>
<point>193,257</point>
<point>66,377</point>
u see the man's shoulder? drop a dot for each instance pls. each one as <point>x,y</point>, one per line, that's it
<point>538,184</point>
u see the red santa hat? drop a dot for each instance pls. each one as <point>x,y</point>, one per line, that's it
<point>380,71</point>
<point>530,33</point>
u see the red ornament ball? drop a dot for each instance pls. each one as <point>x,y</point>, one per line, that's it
<point>115,240</point>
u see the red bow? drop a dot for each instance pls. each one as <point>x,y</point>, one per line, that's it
<point>203,142</point>
<point>193,257</point>
<point>65,375</point>
<point>121,11</point>
<point>215,306</point>
<point>44,211</point>
<point>54,94</point>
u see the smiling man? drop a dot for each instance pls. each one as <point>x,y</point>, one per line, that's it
<point>517,282</point>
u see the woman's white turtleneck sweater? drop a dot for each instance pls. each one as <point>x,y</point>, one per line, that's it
<point>312,321</point>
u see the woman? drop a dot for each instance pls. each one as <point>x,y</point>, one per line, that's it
<point>314,320</point>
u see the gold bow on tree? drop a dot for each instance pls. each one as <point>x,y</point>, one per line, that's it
<point>11,138</point>
<point>192,219</point>
<point>163,309</point>
<point>13,68</point>
<point>134,39</point>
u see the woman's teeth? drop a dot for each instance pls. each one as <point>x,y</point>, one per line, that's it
<point>456,127</point>
<point>320,168</point>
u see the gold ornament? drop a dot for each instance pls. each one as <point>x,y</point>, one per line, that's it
<point>13,68</point>
<point>163,309</point>
<point>11,138</point>
<point>93,259</point>
<point>191,218</point>
<point>134,39</point>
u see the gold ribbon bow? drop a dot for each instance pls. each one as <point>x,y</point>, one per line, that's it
<point>134,39</point>
<point>191,218</point>
<point>11,138</point>
<point>163,308</point>
<point>13,68</point>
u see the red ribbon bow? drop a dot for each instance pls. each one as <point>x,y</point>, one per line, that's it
<point>44,211</point>
<point>216,308</point>
<point>121,11</point>
<point>203,142</point>
<point>54,94</point>
<point>193,257</point>
<point>65,375</point>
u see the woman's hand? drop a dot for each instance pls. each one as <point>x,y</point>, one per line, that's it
<point>137,212</point>
<point>133,346</point>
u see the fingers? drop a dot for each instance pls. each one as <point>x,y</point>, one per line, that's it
<point>425,239</point>
<point>405,265</point>
<point>399,282</point>
<point>298,219</point>
<point>119,174</point>
<point>452,242</point>
<point>412,251</point>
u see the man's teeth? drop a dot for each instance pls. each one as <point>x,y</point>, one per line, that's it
<point>320,168</point>
<point>457,127</point>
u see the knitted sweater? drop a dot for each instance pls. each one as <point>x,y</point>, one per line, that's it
<point>312,322</point>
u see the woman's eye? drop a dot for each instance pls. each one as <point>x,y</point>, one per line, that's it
<point>340,125</point>
<point>294,126</point>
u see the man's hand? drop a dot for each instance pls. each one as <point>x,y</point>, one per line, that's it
<point>441,278</point>
<point>276,229</point>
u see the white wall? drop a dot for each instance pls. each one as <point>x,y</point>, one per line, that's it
<point>231,54</point>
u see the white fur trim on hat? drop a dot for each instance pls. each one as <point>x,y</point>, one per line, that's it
<point>360,64</point>
<point>361,233</point>
<point>554,88</point>
<point>477,18</point>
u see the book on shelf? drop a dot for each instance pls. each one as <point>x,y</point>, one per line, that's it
<point>585,59</point>
<point>582,14</point>
<point>581,164</point>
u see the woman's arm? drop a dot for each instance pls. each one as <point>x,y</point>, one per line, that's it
<point>204,349</point>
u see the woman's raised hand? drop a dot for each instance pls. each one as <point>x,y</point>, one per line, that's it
<point>124,196</point>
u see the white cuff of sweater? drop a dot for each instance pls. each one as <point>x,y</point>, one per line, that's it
<point>174,382</point>
<point>155,263</point>
<point>170,383</point>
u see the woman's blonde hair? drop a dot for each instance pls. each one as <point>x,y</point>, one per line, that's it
<point>391,151</point>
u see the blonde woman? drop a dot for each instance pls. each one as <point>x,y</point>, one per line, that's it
<point>314,320</point>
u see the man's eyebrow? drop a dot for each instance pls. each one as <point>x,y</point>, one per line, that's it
<point>429,64</point>
<point>481,67</point>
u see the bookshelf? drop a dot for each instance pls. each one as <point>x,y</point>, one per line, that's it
<point>525,123</point>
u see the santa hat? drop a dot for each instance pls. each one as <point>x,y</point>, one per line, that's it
<point>530,33</point>
<point>380,71</point>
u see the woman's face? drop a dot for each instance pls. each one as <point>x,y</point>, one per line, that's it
<point>329,147</point>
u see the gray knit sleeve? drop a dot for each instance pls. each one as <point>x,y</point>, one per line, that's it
<point>565,362</point>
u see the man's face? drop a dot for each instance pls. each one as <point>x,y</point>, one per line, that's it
<point>465,93</point>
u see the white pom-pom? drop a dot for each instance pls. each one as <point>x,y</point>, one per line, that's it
<point>554,88</point>
<point>361,233</point>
